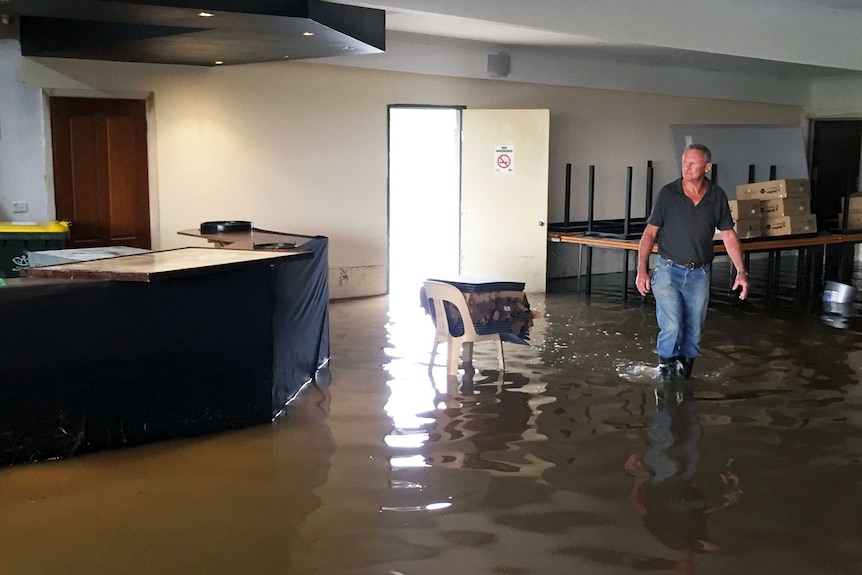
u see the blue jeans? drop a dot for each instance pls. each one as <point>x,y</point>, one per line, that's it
<point>682,298</point>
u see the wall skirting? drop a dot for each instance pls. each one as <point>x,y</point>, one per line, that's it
<point>357,281</point>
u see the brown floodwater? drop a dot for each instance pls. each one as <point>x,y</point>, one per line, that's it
<point>572,461</point>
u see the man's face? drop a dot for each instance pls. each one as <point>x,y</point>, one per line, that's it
<point>694,165</point>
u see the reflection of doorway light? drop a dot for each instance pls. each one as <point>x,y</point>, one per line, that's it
<point>424,198</point>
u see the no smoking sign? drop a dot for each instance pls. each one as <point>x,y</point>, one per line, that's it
<point>504,159</point>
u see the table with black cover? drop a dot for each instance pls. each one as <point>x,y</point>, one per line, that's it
<point>129,350</point>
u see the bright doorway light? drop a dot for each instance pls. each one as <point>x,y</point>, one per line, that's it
<point>424,198</point>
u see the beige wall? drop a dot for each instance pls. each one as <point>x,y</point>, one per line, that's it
<point>836,98</point>
<point>302,147</point>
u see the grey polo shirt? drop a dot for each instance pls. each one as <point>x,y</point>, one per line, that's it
<point>686,231</point>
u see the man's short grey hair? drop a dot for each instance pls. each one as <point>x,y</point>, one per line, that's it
<point>700,148</point>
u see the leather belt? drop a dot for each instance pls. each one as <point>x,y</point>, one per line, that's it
<point>688,266</point>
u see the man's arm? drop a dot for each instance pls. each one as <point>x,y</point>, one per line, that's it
<point>642,282</point>
<point>734,251</point>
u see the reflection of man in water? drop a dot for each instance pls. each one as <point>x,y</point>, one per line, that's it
<point>674,510</point>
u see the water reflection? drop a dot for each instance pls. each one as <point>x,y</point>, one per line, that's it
<point>673,508</point>
<point>224,504</point>
<point>838,314</point>
<point>520,472</point>
<point>488,421</point>
<point>479,420</point>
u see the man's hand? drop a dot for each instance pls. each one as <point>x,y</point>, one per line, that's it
<point>741,282</point>
<point>643,282</point>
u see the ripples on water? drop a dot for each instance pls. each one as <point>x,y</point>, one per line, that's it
<point>572,461</point>
<point>577,458</point>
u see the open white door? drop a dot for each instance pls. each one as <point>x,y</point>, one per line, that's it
<point>504,195</point>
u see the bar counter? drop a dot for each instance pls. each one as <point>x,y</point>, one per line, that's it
<point>124,351</point>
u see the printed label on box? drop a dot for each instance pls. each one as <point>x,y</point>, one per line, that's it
<point>794,206</point>
<point>740,209</point>
<point>788,225</point>
<point>774,189</point>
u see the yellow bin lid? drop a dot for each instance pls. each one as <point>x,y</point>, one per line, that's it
<point>52,226</point>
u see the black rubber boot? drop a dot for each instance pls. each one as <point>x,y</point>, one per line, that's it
<point>684,366</point>
<point>667,367</point>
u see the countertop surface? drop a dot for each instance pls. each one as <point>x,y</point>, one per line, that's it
<point>253,239</point>
<point>166,264</point>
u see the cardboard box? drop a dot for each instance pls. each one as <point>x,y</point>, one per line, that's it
<point>773,189</point>
<point>740,209</point>
<point>855,203</point>
<point>793,206</point>
<point>854,220</point>
<point>746,228</point>
<point>788,225</point>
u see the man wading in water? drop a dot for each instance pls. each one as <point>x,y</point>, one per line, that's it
<point>684,219</point>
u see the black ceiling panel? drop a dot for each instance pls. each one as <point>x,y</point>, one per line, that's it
<point>173,32</point>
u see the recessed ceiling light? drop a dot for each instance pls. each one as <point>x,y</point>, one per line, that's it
<point>308,33</point>
<point>206,14</point>
<point>218,62</point>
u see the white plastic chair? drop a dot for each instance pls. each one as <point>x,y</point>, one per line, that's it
<point>440,292</point>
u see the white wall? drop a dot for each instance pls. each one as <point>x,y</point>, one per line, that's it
<point>22,141</point>
<point>573,67</point>
<point>302,147</point>
<point>835,98</point>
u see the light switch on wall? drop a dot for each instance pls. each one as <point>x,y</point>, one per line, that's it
<point>20,207</point>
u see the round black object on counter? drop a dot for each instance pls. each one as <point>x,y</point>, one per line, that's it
<point>275,246</point>
<point>225,226</point>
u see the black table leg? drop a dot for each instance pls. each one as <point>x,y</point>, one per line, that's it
<point>625,275</point>
<point>776,279</point>
<point>800,271</point>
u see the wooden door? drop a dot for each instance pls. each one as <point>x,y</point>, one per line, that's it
<point>100,170</point>
<point>504,195</point>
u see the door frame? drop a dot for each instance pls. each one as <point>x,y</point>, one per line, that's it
<point>152,178</point>
<point>812,128</point>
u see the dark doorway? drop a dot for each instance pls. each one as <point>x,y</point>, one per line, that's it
<point>100,170</point>
<point>835,156</point>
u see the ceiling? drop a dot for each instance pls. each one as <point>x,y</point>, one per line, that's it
<point>245,31</point>
<point>415,23</point>
<point>195,32</point>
